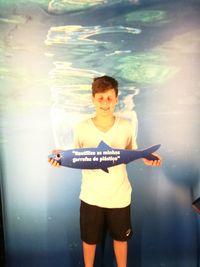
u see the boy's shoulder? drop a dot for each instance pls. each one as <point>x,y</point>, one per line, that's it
<point>122,119</point>
<point>123,123</point>
<point>83,123</point>
<point>127,119</point>
<point>128,122</point>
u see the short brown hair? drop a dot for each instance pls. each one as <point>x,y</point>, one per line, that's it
<point>104,83</point>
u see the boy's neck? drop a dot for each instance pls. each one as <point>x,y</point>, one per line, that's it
<point>104,123</point>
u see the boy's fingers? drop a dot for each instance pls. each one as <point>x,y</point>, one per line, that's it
<point>157,163</point>
<point>150,162</point>
<point>54,163</point>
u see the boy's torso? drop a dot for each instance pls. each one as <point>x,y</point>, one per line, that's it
<point>113,189</point>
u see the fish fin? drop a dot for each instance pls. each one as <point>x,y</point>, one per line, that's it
<point>151,157</point>
<point>105,170</point>
<point>147,153</point>
<point>103,145</point>
<point>153,148</point>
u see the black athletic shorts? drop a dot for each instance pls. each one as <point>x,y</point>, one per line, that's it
<point>95,220</point>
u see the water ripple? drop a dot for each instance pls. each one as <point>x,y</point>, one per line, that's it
<point>80,35</point>
<point>71,84</point>
<point>63,6</point>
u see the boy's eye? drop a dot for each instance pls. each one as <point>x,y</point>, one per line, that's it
<point>100,99</point>
<point>108,99</point>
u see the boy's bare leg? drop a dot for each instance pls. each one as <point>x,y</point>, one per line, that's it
<point>89,254</point>
<point>121,248</point>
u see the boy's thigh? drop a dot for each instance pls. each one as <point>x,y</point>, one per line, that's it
<point>119,223</point>
<point>92,223</point>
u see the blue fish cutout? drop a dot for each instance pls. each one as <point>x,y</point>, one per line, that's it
<point>102,157</point>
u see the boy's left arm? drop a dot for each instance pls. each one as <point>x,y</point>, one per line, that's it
<point>146,161</point>
<point>153,162</point>
<point>133,145</point>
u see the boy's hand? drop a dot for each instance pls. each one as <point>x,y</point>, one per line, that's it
<point>153,162</point>
<point>53,162</point>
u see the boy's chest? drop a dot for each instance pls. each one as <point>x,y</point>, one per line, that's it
<point>104,129</point>
<point>115,139</point>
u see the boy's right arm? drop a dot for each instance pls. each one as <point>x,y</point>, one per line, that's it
<point>53,162</point>
<point>76,144</point>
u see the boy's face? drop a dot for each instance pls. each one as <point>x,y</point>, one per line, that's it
<point>105,102</point>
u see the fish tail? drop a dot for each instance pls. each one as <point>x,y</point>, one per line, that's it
<point>147,153</point>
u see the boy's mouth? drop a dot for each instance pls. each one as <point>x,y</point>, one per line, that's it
<point>105,109</point>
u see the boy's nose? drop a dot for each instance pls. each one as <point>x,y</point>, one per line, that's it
<point>105,102</point>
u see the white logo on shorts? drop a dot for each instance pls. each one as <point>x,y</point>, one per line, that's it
<point>128,232</point>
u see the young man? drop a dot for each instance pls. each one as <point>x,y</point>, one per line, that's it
<point>105,197</point>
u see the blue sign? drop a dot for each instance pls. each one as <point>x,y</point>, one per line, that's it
<point>102,157</point>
